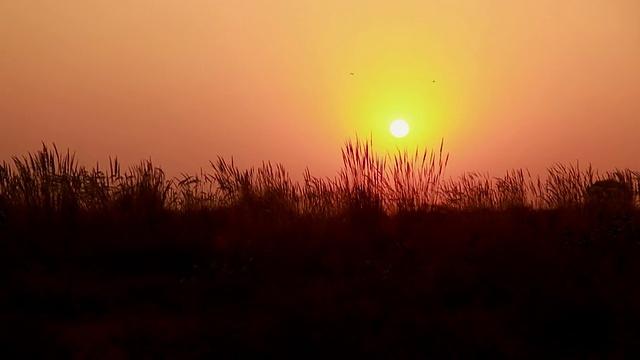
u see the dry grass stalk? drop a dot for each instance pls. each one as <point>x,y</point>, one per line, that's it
<point>417,178</point>
<point>362,180</point>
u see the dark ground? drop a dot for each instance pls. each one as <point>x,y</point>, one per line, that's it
<point>517,284</point>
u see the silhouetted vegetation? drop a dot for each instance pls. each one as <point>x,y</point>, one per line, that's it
<point>389,259</point>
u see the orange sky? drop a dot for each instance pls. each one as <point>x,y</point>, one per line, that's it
<point>517,83</point>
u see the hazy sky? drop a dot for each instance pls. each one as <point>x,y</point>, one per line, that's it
<point>517,83</point>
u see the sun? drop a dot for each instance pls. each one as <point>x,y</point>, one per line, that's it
<point>399,128</point>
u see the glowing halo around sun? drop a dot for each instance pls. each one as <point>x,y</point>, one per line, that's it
<point>399,128</point>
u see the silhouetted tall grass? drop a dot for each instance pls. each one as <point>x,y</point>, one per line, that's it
<point>52,182</point>
<point>388,255</point>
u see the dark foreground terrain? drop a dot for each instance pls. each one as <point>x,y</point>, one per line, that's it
<point>233,284</point>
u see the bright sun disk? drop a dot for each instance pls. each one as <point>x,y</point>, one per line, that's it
<point>399,128</point>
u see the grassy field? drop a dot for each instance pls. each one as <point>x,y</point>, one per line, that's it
<point>388,260</point>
